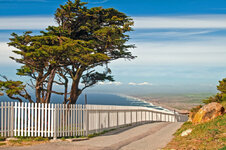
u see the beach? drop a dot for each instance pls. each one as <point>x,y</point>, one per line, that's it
<point>178,103</point>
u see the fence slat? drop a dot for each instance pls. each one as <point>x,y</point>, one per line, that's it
<point>29,119</point>
<point>25,118</point>
<point>39,118</point>
<point>12,119</point>
<point>55,119</point>
<point>60,118</point>
<point>18,117</point>
<point>45,119</point>
<point>8,125</point>
<point>15,120</point>
<point>76,123</point>
<point>49,110</point>
<point>5,119</point>
<point>66,120</point>
<point>32,118</point>
<point>71,108</point>
<point>63,119</point>
<point>73,122</point>
<point>1,118</point>
<point>52,117</point>
<point>36,118</point>
<point>42,118</point>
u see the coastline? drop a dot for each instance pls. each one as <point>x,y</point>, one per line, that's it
<point>157,103</point>
<point>154,104</point>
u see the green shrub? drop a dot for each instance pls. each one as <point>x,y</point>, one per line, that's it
<point>223,148</point>
<point>63,138</point>
<point>219,98</point>
<point>2,139</point>
<point>1,144</point>
<point>40,139</point>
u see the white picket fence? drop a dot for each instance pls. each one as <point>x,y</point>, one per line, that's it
<point>60,120</point>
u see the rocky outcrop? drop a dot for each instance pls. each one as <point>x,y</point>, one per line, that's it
<point>208,112</point>
<point>12,139</point>
<point>193,112</point>
<point>186,132</point>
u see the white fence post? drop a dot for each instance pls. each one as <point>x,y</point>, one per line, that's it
<point>55,125</point>
<point>117,118</point>
<point>87,121</point>
<point>29,119</point>
<point>108,119</point>
<point>32,119</point>
<point>12,119</point>
<point>15,120</point>
<point>2,119</point>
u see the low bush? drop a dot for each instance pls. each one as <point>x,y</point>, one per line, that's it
<point>2,139</point>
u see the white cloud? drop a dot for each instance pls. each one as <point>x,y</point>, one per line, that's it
<point>142,83</point>
<point>5,52</point>
<point>153,22</point>
<point>110,83</point>
<point>207,52</point>
<point>98,2</point>
<point>26,23</point>
<point>181,22</point>
<point>174,33</point>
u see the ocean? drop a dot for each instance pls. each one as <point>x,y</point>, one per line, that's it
<point>103,99</point>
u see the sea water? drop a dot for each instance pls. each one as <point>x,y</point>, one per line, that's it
<point>102,99</point>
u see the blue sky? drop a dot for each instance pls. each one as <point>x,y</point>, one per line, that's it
<point>180,43</point>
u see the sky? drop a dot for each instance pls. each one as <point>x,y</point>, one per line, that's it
<point>180,44</point>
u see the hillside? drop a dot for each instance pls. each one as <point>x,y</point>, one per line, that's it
<point>210,135</point>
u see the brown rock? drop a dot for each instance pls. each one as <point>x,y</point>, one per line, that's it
<point>208,112</point>
<point>191,116</point>
<point>186,132</point>
<point>76,139</point>
<point>193,112</point>
<point>12,139</point>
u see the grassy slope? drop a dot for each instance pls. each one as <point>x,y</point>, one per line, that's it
<point>210,135</point>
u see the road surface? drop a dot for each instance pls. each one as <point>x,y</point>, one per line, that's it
<point>151,136</point>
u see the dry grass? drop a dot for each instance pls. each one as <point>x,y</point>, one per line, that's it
<point>24,141</point>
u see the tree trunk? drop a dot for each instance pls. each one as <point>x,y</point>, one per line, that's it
<point>75,92</point>
<point>38,88</point>
<point>50,86</point>
<point>65,90</point>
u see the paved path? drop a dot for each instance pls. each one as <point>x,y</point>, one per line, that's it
<point>151,136</point>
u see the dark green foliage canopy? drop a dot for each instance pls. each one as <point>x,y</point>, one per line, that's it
<point>222,86</point>
<point>13,89</point>
<point>219,97</point>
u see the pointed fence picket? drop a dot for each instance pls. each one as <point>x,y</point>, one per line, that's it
<point>60,120</point>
